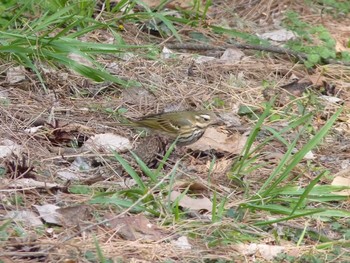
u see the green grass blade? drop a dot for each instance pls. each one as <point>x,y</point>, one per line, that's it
<point>122,202</point>
<point>130,171</point>
<point>302,214</point>
<point>300,154</point>
<point>307,191</point>
<point>166,157</point>
<point>236,169</point>
<point>169,25</point>
<point>148,172</point>
<point>100,256</point>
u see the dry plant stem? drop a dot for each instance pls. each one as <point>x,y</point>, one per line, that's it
<point>273,49</point>
<point>24,254</point>
<point>119,215</point>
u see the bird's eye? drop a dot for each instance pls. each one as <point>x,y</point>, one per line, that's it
<point>205,117</point>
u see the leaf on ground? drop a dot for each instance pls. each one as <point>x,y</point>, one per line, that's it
<point>74,127</point>
<point>180,4</point>
<point>217,171</point>
<point>135,228</point>
<point>49,213</point>
<point>280,35</point>
<point>15,74</point>
<point>232,55</point>
<point>59,133</point>
<point>317,78</point>
<point>152,3</point>
<point>204,59</point>
<point>73,215</point>
<point>174,4</point>
<point>341,34</point>
<point>309,156</point>
<point>192,203</point>
<point>219,141</point>
<point>7,147</point>
<point>167,53</point>
<point>193,187</point>
<point>220,167</point>
<point>29,218</point>
<point>4,95</point>
<point>66,216</point>
<point>138,95</point>
<point>342,181</point>
<point>107,142</point>
<point>268,252</point>
<point>331,99</point>
<point>296,87</point>
<point>34,130</point>
<point>182,243</point>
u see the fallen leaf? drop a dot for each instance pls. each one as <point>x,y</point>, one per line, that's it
<point>203,59</point>
<point>167,53</point>
<point>309,156</point>
<point>281,35</point>
<point>138,95</point>
<point>232,55</point>
<point>49,213</point>
<point>7,147</point>
<point>330,99</point>
<point>135,228</point>
<point>193,187</point>
<point>4,95</point>
<point>268,252</point>
<point>73,215</point>
<point>107,142</point>
<point>221,166</point>
<point>66,216</point>
<point>219,141</point>
<point>33,130</point>
<point>152,3</point>
<point>181,5</point>
<point>342,181</point>
<point>182,243</point>
<point>27,217</point>
<point>15,74</point>
<point>317,78</point>
<point>192,203</point>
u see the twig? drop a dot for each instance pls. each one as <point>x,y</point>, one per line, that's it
<point>273,49</point>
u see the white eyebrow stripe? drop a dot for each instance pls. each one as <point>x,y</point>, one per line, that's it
<point>205,116</point>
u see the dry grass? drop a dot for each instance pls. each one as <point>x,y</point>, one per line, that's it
<point>166,85</point>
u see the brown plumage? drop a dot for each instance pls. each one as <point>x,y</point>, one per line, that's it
<point>186,126</point>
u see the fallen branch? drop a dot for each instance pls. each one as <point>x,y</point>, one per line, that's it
<point>273,49</point>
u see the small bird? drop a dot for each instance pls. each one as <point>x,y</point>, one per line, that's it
<point>186,126</point>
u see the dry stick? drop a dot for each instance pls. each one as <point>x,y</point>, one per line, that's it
<point>273,49</point>
<point>119,215</point>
